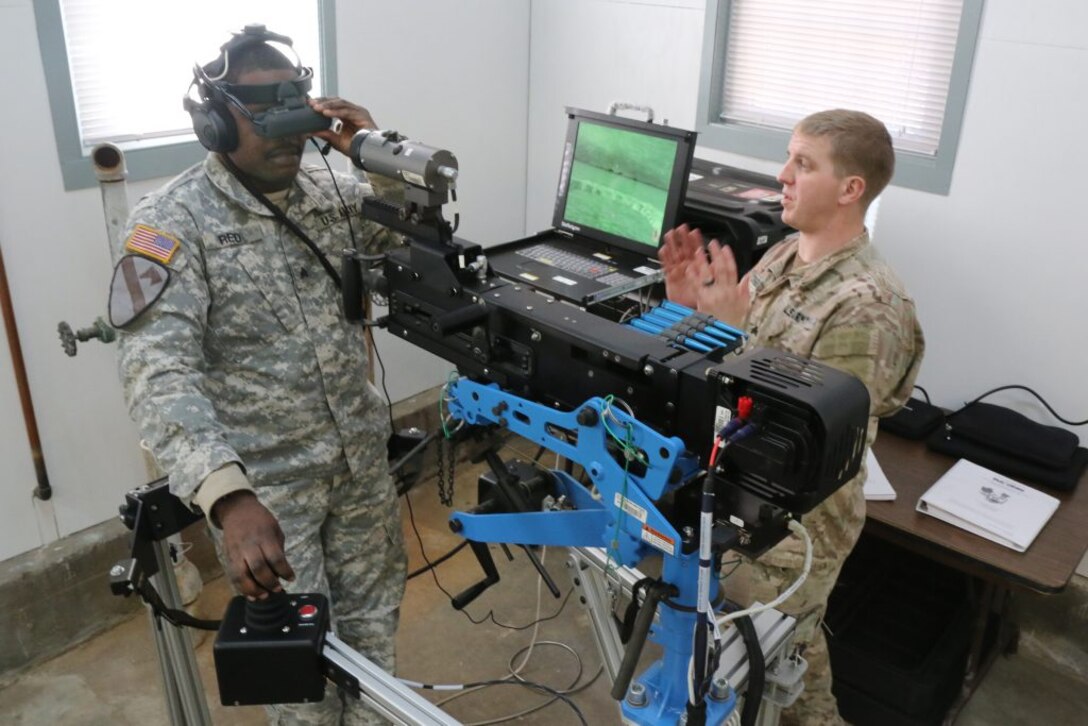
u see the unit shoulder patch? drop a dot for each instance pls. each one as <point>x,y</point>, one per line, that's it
<point>153,243</point>
<point>137,283</point>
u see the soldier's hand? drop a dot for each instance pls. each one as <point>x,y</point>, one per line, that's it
<point>717,290</point>
<point>352,118</point>
<point>253,542</point>
<point>677,254</point>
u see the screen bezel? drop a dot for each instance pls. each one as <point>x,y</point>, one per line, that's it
<point>678,182</point>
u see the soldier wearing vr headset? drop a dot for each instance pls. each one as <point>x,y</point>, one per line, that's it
<point>246,381</point>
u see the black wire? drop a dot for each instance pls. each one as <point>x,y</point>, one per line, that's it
<point>439,561</point>
<point>536,687</point>
<point>283,218</point>
<point>491,616</point>
<point>422,551</point>
<point>388,400</point>
<point>924,393</point>
<point>177,618</point>
<point>430,567</point>
<point>1041,400</point>
<point>343,204</point>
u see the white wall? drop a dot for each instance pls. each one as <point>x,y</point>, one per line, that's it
<point>450,74</point>
<point>997,267</point>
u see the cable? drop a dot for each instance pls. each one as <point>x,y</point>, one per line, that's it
<point>924,393</point>
<point>571,689</point>
<point>1041,400</point>
<point>430,567</point>
<point>437,562</point>
<point>343,204</point>
<point>797,528</point>
<point>388,400</point>
<point>464,687</point>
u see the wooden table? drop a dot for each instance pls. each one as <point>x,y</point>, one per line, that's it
<point>997,571</point>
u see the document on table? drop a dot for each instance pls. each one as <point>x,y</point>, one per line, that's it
<point>877,487</point>
<point>988,504</point>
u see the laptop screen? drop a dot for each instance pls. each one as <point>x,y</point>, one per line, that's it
<point>622,181</point>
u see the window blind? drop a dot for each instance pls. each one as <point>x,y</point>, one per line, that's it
<point>893,59</point>
<point>131,61</point>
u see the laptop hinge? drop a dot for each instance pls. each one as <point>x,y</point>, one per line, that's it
<point>564,233</point>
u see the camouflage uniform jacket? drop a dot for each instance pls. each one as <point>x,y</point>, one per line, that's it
<point>246,357</point>
<point>847,310</point>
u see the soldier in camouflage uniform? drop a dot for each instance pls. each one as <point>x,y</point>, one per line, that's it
<point>823,293</point>
<point>252,389</point>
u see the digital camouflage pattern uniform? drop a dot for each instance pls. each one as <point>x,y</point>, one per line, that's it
<point>246,361</point>
<point>850,311</point>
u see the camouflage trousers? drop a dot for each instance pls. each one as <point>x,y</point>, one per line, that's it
<point>344,540</point>
<point>834,526</point>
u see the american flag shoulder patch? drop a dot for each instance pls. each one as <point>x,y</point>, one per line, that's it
<point>153,243</point>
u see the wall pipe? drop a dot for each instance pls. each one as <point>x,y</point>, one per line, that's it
<point>43,490</point>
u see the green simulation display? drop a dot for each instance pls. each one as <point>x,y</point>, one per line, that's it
<point>619,182</point>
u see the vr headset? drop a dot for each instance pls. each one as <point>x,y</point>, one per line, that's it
<point>288,115</point>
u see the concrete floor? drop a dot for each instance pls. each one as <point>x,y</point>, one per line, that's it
<point>114,679</point>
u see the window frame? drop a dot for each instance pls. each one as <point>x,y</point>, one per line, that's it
<point>150,159</point>
<point>912,170</point>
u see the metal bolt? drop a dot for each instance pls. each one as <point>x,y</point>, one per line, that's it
<point>636,695</point>
<point>630,390</point>
<point>117,571</point>
<point>535,336</point>
<point>719,689</point>
<point>242,631</point>
<point>648,369</point>
<point>688,533</point>
<point>590,373</point>
<point>528,307</point>
<point>286,629</point>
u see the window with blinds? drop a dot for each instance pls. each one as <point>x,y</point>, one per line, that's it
<point>117,70</point>
<point>130,61</point>
<point>905,62</point>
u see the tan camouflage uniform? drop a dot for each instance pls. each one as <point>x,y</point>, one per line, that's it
<point>850,311</point>
<point>246,360</point>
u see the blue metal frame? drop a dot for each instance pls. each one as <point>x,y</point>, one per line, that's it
<point>625,520</point>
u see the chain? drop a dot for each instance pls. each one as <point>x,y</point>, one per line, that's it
<point>446,458</point>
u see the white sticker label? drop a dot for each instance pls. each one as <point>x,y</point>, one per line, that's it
<point>602,256</point>
<point>630,507</point>
<point>564,280</point>
<point>659,540</point>
<point>692,176</point>
<point>761,240</point>
<point>736,521</point>
<point>643,270</point>
<point>528,276</point>
<point>412,178</point>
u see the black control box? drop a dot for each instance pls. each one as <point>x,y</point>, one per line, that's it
<point>737,207</point>
<point>270,651</point>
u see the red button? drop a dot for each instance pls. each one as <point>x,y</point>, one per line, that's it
<point>307,611</point>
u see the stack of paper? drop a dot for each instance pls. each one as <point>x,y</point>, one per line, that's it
<point>877,487</point>
<point>989,505</point>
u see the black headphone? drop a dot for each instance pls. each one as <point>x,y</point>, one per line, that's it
<point>213,123</point>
